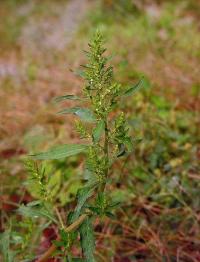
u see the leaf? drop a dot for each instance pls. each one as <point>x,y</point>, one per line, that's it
<point>60,152</point>
<point>82,196</point>
<point>110,215</point>
<point>92,181</point>
<point>84,113</point>
<point>72,110</point>
<point>35,212</point>
<point>87,240</point>
<point>140,174</point>
<point>66,97</point>
<point>134,88</point>
<point>95,210</point>
<point>128,143</point>
<point>8,255</point>
<point>98,130</point>
<point>122,150</point>
<point>34,203</point>
<point>126,146</point>
<point>113,204</point>
<point>54,184</point>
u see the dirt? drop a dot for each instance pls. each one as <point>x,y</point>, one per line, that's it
<point>47,34</point>
<point>30,77</point>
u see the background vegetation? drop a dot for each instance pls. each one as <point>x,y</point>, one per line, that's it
<point>159,185</point>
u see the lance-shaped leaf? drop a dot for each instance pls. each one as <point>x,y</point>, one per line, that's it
<point>134,88</point>
<point>98,130</point>
<point>61,151</point>
<point>8,255</point>
<point>84,113</point>
<point>122,150</point>
<point>82,196</point>
<point>35,212</point>
<point>87,240</point>
<point>66,97</point>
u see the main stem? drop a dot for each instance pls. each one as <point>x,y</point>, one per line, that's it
<point>106,152</point>
<point>106,146</point>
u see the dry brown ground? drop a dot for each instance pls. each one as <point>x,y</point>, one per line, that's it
<point>35,69</point>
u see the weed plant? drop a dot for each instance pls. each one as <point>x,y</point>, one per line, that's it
<point>105,133</point>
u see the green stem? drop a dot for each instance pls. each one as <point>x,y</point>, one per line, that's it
<point>106,146</point>
<point>106,155</point>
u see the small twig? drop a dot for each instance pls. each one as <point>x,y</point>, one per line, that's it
<point>59,217</point>
<point>70,228</point>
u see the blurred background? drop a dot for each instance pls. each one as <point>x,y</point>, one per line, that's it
<point>41,49</point>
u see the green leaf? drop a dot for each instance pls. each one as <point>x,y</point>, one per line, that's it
<point>35,212</point>
<point>95,210</point>
<point>84,113</point>
<point>82,196</point>
<point>98,130</point>
<point>34,203</point>
<point>122,150</point>
<point>54,183</point>
<point>72,110</point>
<point>66,97</point>
<point>110,215</point>
<point>87,240</point>
<point>134,88</point>
<point>128,143</point>
<point>141,174</point>
<point>60,152</point>
<point>8,255</point>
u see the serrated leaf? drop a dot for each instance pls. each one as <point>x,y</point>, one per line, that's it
<point>134,88</point>
<point>66,97</point>
<point>84,113</point>
<point>87,240</point>
<point>82,196</point>
<point>61,151</point>
<point>98,130</point>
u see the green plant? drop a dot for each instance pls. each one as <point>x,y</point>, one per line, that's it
<point>106,139</point>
